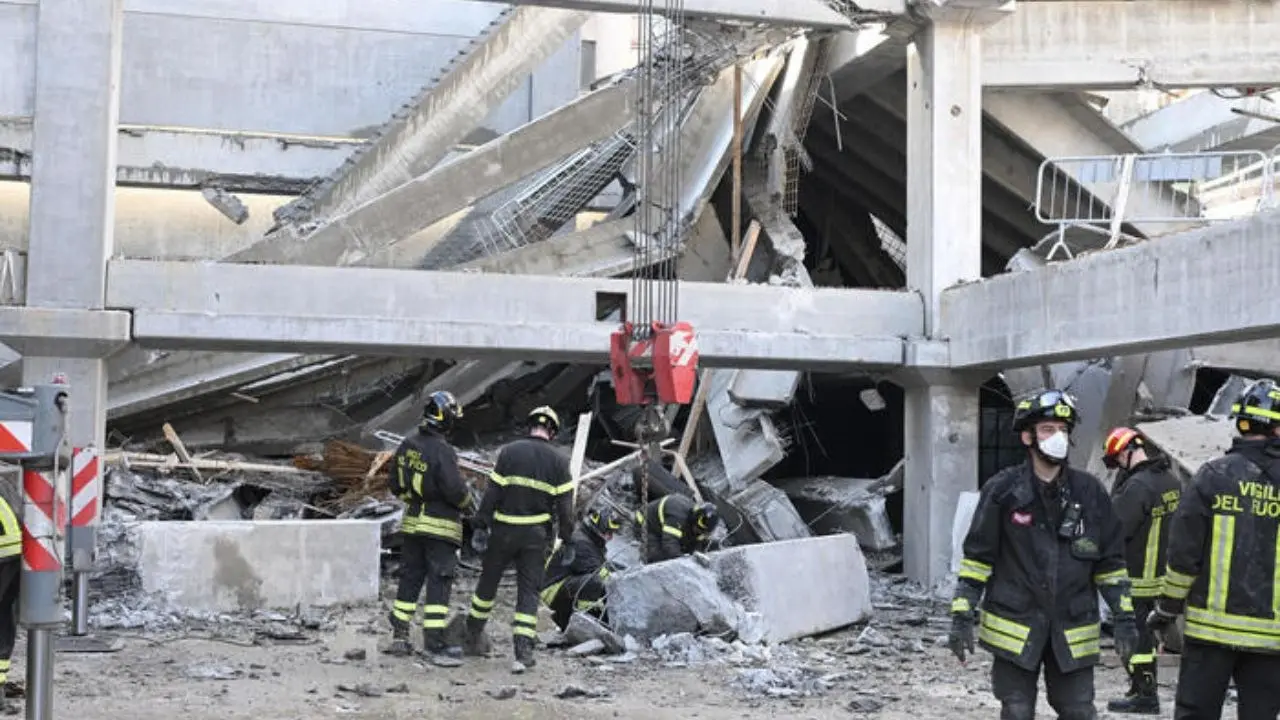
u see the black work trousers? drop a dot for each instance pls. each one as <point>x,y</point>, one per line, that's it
<point>10,587</point>
<point>524,546</point>
<point>580,592</point>
<point>433,561</point>
<point>1206,672</point>
<point>1069,694</point>
<point>1142,666</point>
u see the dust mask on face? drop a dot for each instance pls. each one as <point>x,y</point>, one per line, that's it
<point>1055,446</point>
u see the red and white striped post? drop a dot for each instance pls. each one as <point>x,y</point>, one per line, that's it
<point>86,506</point>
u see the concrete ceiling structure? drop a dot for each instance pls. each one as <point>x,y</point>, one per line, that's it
<point>380,143</point>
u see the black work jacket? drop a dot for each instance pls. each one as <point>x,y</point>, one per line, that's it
<point>530,486</point>
<point>1223,547</point>
<point>669,524</point>
<point>1144,500</point>
<point>1041,590</point>
<point>588,559</point>
<point>424,474</point>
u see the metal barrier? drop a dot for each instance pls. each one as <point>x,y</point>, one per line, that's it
<point>1101,194</point>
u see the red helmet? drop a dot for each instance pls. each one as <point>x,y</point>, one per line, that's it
<point>1120,439</point>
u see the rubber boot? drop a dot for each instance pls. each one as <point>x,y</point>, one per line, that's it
<point>438,652</point>
<point>400,645</point>
<point>476,643</point>
<point>524,655</point>
<point>1143,699</point>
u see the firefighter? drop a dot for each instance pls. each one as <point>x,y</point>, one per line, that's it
<point>1043,543</point>
<point>1144,496</point>
<point>424,474</point>
<point>530,486</point>
<point>576,571</point>
<point>1223,570</point>
<point>10,584</point>
<point>676,526</point>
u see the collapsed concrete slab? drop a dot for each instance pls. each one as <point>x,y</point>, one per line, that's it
<point>748,441</point>
<point>1190,441</point>
<point>772,592</point>
<point>843,504</point>
<point>769,513</point>
<point>237,566</point>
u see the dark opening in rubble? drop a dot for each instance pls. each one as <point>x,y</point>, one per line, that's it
<point>1208,382</point>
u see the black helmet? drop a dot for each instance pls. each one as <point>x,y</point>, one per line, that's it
<point>705,516</point>
<point>544,416</point>
<point>1048,405</point>
<point>603,521</point>
<point>442,411</point>
<point>1258,409</point>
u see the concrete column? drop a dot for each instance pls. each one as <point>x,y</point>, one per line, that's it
<point>944,247</point>
<point>77,97</point>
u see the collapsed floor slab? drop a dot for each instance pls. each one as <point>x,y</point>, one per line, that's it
<point>842,504</point>
<point>236,566</point>
<point>1190,441</point>
<point>773,592</point>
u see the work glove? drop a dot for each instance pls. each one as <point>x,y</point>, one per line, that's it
<point>961,638</point>
<point>1161,619</point>
<point>480,540</point>
<point>568,554</point>
<point>1125,632</point>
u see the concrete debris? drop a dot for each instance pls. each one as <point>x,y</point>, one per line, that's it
<point>839,504</point>
<point>584,629</point>
<point>768,512</point>
<point>1190,441</point>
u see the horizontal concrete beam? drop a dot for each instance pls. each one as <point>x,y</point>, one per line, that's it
<point>59,332</point>
<point>1122,44</point>
<point>1205,121</point>
<point>808,13</point>
<point>1206,286</point>
<point>272,308</point>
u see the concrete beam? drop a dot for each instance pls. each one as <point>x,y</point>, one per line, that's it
<point>1083,308</point>
<point>1127,44</point>
<point>171,158</point>
<point>417,140</point>
<point>1205,121</point>
<point>62,332</point>
<point>863,58</point>
<point>192,375</point>
<point>602,250</point>
<point>1260,357</point>
<point>445,189</point>
<point>223,306</point>
<point>807,13</point>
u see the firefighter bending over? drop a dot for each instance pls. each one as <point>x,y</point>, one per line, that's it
<point>1144,496</point>
<point>676,527</point>
<point>10,584</point>
<point>1224,572</point>
<point>529,486</point>
<point>577,570</point>
<point>1044,542</point>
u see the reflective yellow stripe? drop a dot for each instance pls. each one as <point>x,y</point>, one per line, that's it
<point>427,525</point>
<point>525,631</point>
<point>539,485</point>
<point>1275,587</point>
<point>548,595</point>
<point>1146,588</point>
<point>1239,631</point>
<point>960,605</point>
<point>482,604</point>
<point>1111,578</point>
<point>584,605</point>
<point>975,570</point>
<point>11,540</point>
<point>1177,585</point>
<point>436,609</point>
<point>1221,543</point>
<point>430,623</point>
<point>1126,603</point>
<point>522,519</point>
<point>1137,660</point>
<point>1151,559</point>
<point>1083,641</point>
<point>1003,634</point>
<point>675,532</point>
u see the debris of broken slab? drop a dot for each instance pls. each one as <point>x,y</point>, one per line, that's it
<point>855,505</point>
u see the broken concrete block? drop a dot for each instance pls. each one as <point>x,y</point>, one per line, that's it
<point>1227,395</point>
<point>583,628</point>
<point>1190,441</point>
<point>769,512</point>
<point>774,591</point>
<point>840,504</point>
<point>748,441</point>
<point>236,566</point>
<point>769,389</point>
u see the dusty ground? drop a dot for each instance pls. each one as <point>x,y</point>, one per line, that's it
<point>895,670</point>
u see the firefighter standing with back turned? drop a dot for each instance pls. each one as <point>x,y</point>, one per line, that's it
<point>530,485</point>
<point>1144,495</point>
<point>1044,542</point>
<point>1224,571</point>
<point>424,474</point>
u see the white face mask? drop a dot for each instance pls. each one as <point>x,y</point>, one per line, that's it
<point>1055,446</point>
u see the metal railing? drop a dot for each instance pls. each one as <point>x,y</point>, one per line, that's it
<point>1153,193</point>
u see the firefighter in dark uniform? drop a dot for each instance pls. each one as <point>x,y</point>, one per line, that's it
<point>1224,573</point>
<point>676,527</point>
<point>1044,542</point>
<point>529,487</point>
<point>10,583</point>
<point>1144,496</point>
<point>577,570</point>
<point>424,474</point>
